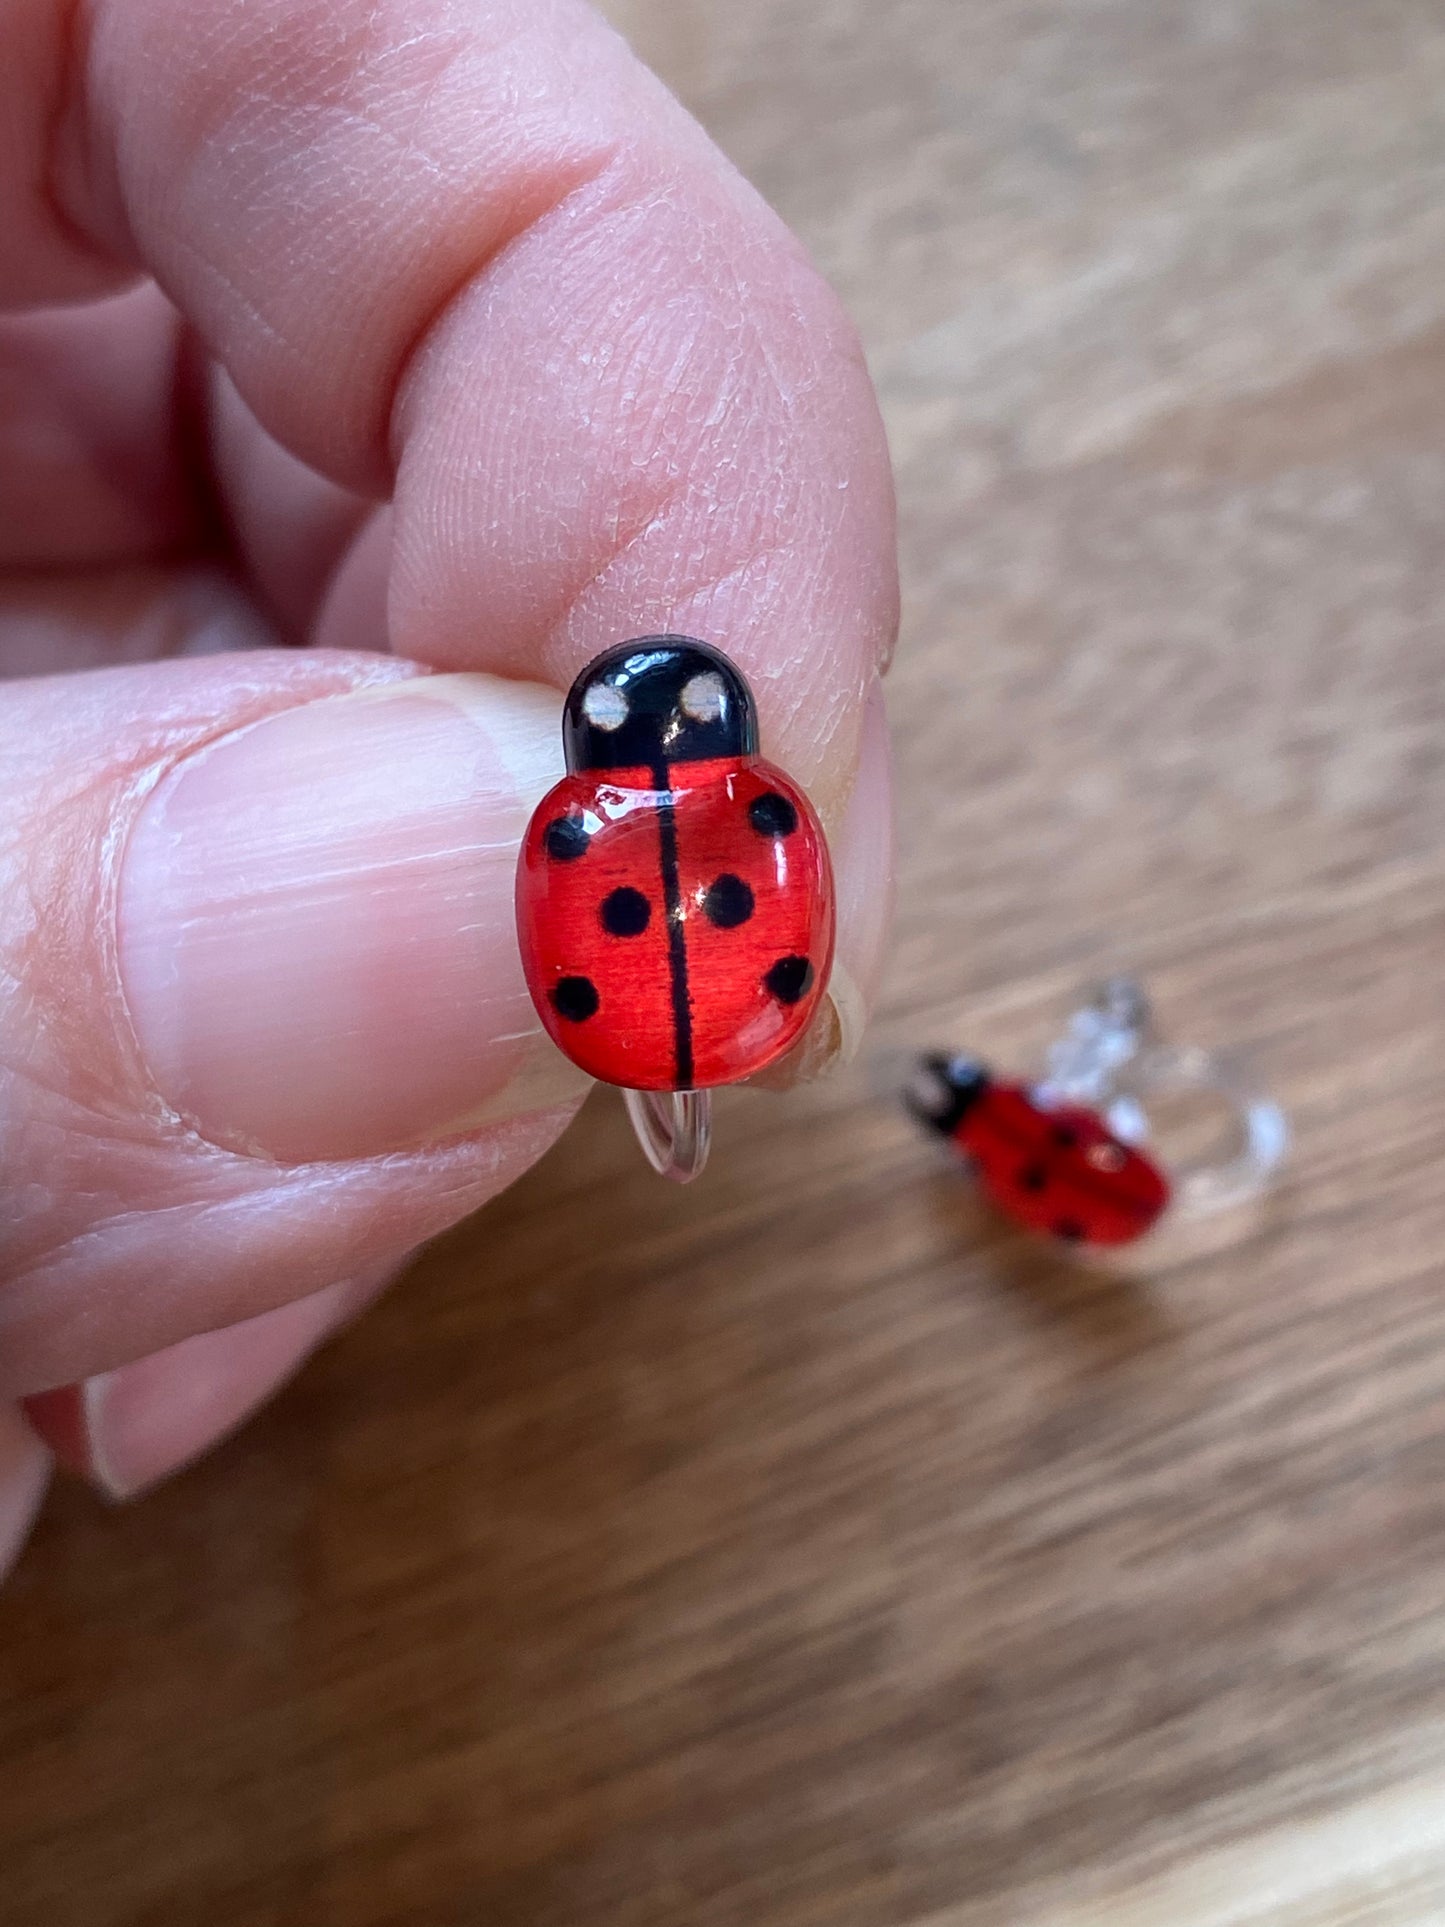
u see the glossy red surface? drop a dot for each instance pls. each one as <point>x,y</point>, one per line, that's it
<point>671,940</point>
<point>1060,1171</point>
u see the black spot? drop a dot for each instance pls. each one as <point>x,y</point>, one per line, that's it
<point>625,912</point>
<point>728,902</point>
<point>1065,1136</point>
<point>789,979</point>
<point>566,837</point>
<point>1033,1177</point>
<point>772,815</point>
<point>1069,1229</point>
<point>576,999</point>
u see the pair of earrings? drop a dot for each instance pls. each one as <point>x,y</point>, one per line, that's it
<point>676,915</point>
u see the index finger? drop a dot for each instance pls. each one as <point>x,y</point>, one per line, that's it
<point>476,255</point>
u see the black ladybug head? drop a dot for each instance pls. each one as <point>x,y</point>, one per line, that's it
<point>943,1089</point>
<point>659,699</point>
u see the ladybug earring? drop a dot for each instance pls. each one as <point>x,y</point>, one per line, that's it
<point>674,893</point>
<point>1071,1155</point>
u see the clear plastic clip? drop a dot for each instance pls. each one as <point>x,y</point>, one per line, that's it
<point>674,1129</point>
<point>1110,1059</point>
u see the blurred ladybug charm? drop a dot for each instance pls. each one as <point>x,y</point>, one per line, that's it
<point>674,894</point>
<point>1063,1155</point>
<point>1054,1168</point>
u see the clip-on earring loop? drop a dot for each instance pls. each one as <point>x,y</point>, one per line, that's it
<point>674,1129</point>
<point>1111,1056</point>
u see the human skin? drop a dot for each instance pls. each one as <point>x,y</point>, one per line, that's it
<point>432,335</point>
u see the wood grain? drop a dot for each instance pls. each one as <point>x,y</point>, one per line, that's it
<point>806,1551</point>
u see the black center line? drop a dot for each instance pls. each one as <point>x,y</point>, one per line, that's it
<point>676,939</point>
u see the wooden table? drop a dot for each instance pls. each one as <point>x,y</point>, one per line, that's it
<point>807,1551</point>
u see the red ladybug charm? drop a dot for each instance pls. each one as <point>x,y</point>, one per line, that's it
<point>1056,1169</point>
<point>674,894</point>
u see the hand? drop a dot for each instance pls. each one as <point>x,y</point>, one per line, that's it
<point>474,356</point>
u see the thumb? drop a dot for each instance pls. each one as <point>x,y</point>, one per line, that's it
<point>263,1025</point>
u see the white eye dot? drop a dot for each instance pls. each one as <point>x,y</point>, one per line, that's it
<point>928,1093</point>
<point>703,697</point>
<point>604,707</point>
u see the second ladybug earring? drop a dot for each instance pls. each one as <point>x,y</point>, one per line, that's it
<point>1071,1154</point>
<point>674,893</point>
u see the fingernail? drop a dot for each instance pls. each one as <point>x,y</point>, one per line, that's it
<point>24,1474</point>
<point>317,940</point>
<point>127,1429</point>
<point>865,867</point>
<point>863,873</point>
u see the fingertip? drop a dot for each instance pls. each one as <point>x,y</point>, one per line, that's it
<point>677,434</point>
<point>127,1429</point>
